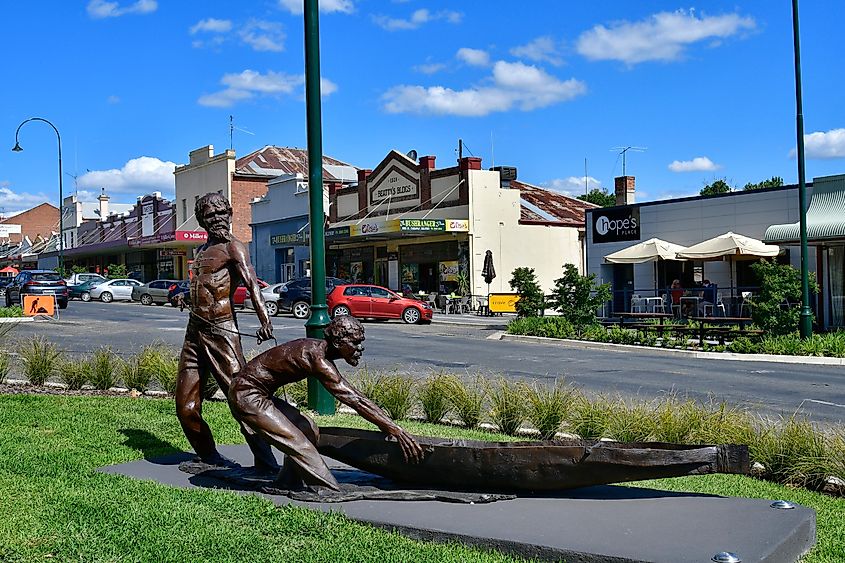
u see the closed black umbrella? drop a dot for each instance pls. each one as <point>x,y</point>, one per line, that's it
<point>488,272</point>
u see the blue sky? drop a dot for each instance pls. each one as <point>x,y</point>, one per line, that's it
<point>133,86</point>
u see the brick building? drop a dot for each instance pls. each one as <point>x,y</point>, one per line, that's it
<point>40,220</point>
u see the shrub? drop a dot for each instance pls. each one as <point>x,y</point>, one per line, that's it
<point>103,370</point>
<point>742,345</point>
<point>792,452</point>
<point>779,284</point>
<point>433,394</point>
<point>5,366</point>
<point>834,344</point>
<point>577,297</point>
<point>590,419</point>
<point>619,335</point>
<point>74,373</point>
<point>531,299</point>
<point>133,375</point>
<point>549,327</point>
<point>467,400</point>
<point>40,359</point>
<point>10,312</point>
<point>548,407</point>
<point>646,338</point>
<point>508,407</point>
<point>812,346</point>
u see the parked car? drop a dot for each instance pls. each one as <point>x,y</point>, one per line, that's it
<point>241,293</point>
<point>37,282</point>
<point>153,292</point>
<point>271,298</point>
<point>77,279</point>
<point>293,296</point>
<point>4,281</point>
<point>110,290</point>
<point>82,290</point>
<point>374,302</point>
<point>177,291</point>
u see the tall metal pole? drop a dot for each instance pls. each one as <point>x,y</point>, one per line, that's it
<point>318,398</point>
<point>17,148</point>
<point>805,324</point>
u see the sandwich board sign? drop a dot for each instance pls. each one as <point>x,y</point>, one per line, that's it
<point>39,305</point>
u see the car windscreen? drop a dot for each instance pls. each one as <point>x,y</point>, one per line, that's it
<point>46,277</point>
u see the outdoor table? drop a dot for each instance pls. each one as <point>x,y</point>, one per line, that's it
<point>652,303</point>
<point>703,321</point>
<point>694,300</point>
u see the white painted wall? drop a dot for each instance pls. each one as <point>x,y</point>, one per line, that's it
<point>443,189</point>
<point>197,179</point>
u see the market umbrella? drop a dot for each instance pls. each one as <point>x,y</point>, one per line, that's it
<point>9,270</point>
<point>488,272</point>
<point>731,246</point>
<point>651,250</point>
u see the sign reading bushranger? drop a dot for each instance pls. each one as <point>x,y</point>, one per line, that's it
<point>616,224</point>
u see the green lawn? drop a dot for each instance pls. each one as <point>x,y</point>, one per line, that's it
<point>53,505</point>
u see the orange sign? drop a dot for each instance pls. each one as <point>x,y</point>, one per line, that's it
<point>503,302</point>
<point>39,305</point>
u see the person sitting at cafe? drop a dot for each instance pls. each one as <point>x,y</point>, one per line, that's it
<point>708,295</point>
<point>676,292</point>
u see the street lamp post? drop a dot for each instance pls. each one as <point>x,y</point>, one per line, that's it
<point>805,324</point>
<point>18,148</point>
<point>318,398</point>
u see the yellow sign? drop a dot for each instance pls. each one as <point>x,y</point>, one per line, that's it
<point>503,302</point>
<point>39,305</point>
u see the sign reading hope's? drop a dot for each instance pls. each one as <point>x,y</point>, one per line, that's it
<point>615,225</point>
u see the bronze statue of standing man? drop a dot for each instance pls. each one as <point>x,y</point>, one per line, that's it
<point>212,344</point>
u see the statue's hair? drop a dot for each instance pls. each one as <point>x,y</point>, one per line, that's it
<point>208,200</point>
<point>342,328</point>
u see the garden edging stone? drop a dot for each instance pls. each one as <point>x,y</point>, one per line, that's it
<point>730,356</point>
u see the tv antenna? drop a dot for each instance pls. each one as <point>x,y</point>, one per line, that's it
<point>623,151</point>
<point>232,130</point>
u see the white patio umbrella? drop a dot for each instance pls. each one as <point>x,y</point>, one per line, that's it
<point>651,250</point>
<point>731,246</point>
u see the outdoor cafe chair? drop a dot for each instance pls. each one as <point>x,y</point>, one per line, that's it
<point>747,305</point>
<point>638,304</point>
<point>713,306</point>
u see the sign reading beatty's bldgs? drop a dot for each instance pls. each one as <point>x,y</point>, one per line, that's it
<point>616,225</point>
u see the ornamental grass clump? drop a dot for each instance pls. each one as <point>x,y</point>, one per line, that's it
<point>160,364</point>
<point>548,406</point>
<point>74,373</point>
<point>630,422</point>
<point>508,406</point>
<point>103,369</point>
<point>40,359</point>
<point>433,394</point>
<point>678,421</point>
<point>467,399</point>
<point>590,418</point>
<point>793,452</point>
<point>132,374</point>
<point>295,393</point>
<point>5,365</point>
<point>395,394</point>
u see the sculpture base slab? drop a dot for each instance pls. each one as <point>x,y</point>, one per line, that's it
<point>604,523</point>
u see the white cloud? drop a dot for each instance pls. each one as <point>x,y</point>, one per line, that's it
<point>211,25</point>
<point>697,164</point>
<point>430,68</point>
<point>326,6</point>
<point>573,185</point>
<point>418,18</point>
<point>542,49</point>
<point>100,9</point>
<point>474,57</point>
<point>514,85</point>
<point>249,84</point>
<point>823,145</point>
<point>113,99</point>
<point>660,37</point>
<point>138,176</point>
<point>12,203</point>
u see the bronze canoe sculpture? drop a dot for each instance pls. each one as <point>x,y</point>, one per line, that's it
<point>527,466</point>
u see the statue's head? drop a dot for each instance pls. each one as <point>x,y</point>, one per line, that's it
<point>214,214</point>
<point>346,335</point>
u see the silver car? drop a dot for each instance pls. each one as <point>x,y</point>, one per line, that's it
<point>120,289</point>
<point>153,292</point>
<point>271,299</point>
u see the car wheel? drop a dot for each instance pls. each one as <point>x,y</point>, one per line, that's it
<point>85,297</point>
<point>301,310</point>
<point>8,300</point>
<point>106,297</point>
<point>340,311</point>
<point>411,315</point>
<point>272,308</point>
<point>146,299</point>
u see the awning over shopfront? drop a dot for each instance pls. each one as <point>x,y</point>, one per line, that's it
<point>646,251</point>
<point>825,215</point>
<point>394,228</point>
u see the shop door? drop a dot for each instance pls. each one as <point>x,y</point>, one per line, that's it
<point>381,277</point>
<point>429,277</point>
<point>623,287</point>
<point>287,273</point>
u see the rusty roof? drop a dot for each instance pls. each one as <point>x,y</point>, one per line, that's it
<point>549,206</point>
<point>273,161</point>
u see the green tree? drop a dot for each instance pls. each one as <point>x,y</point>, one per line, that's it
<point>777,309</point>
<point>531,300</point>
<point>577,297</point>
<point>719,186</point>
<point>117,271</point>
<point>599,197</point>
<point>773,182</point>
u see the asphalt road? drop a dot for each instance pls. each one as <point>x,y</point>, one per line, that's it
<point>769,388</point>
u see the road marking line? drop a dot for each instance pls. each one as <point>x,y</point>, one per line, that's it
<point>828,403</point>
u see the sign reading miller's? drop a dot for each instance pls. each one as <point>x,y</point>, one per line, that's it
<point>616,224</point>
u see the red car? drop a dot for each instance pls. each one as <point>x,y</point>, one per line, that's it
<point>241,293</point>
<point>374,302</point>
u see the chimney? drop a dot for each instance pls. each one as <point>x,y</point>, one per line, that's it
<point>104,205</point>
<point>201,155</point>
<point>470,163</point>
<point>624,188</point>
<point>427,162</point>
<point>334,186</point>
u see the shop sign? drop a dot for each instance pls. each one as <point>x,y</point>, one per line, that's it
<point>172,252</point>
<point>503,302</point>
<point>296,239</point>
<point>616,225</point>
<point>147,209</point>
<point>396,185</point>
<point>422,225</point>
<point>191,236</point>
<point>364,229</point>
<point>449,270</point>
<point>338,232</point>
<point>457,225</point>
<point>152,239</point>
<point>7,229</point>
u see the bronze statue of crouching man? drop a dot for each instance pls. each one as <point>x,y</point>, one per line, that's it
<point>252,400</point>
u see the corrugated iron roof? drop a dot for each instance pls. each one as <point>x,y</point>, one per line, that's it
<point>549,206</point>
<point>274,161</point>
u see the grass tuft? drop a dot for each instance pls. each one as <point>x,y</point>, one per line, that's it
<point>590,418</point>
<point>133,376</point>
<point>162,364</point>
<point>433,395</point>
<point>467,399</point>
<point>104,365</point>
<point>74,373</point>
<point>5,365</point>
<point>548,407</point>
<point>508,404</point>
<point>40,359</point>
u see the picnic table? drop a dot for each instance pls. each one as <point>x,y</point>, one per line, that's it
<point>661,317</point>
<point>705,321</point>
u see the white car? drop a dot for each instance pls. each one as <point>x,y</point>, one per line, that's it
<point>79,279</point>
<point>120,289</point>
<point>271,299</point>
